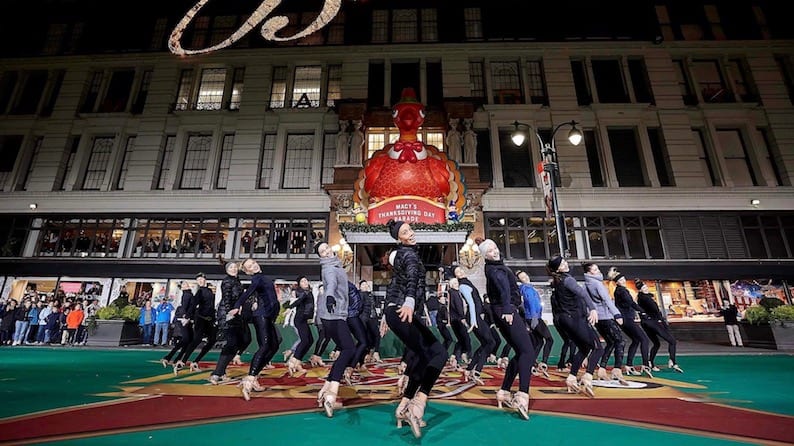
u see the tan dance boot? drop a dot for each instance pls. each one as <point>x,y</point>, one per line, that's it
<point>586,385</point>
<point>617,375</point>
<point>572,384</point>
<point>329,399</point>
<point>316,361</point>
<point>414,413</point>
<point>521,404</point>
<point>504,398</point>
<point>246,385</point>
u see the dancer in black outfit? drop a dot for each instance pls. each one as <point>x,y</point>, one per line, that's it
<point>184,327</point>
<point>442,322</point>
<point>263,315</point>
<point>332,308</point>
<point>202,314</point>
<point>655,325</point>
<point>457,320</point>
<point>369,317</point>
<point>235,329</point>
<point>609,321</point>
<point>568,349</point>
<point>355,308</point>
<point>405,299</point>
<point>629,309</point>
<point>487,316</point>
<point>481,329</point>
<point>304,310</point>
<point>577,316</point>
<point>508,313</point>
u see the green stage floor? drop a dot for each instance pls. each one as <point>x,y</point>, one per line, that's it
<point>72,396</point>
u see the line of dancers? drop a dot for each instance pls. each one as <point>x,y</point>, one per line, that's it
<point>355,322</point>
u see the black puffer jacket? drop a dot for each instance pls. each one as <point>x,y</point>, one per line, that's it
<point>475,296</point>
<point>231,289</point>
<point>502,288</point>
<point>304,304</point>
<point>408,279</point>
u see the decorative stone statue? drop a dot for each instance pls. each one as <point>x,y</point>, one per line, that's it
<point>469,142</point>
<point>356,143</point>
<point>453,141</point>
<point>342,144</point>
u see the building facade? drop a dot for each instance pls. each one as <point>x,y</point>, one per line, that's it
<point>126,167</point>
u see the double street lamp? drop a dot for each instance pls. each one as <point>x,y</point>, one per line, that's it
<point>548,153</point>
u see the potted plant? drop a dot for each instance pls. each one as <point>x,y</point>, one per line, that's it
<point>115,326</point>
<point>781,319</point>
<point>755,328</point>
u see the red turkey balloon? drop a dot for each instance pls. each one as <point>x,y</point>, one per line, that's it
<point>409,180</point>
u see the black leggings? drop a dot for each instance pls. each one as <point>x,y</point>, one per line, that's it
<point>517,336</point>
<point>183,342</point>
<point>586,339</point>
<point>267,337</point>
<point>542,336</point>
<point>340,333</point>
<point>373,334</point>
<point>237,337</point>
<point>464,341</point>
<point>638,339</point>
<point>658,329</point>
<point>568,349</point>
<point>322,340</point>
<point>201,328</point>
<point>610,330</point>
<point>425,355</point>
<point>483,334</point>
<point>443,330</point>
<point>359,331</point>
<point>305,337</point>
<point>497,340</point>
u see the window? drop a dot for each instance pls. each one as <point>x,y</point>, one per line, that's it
<point>404,27</point>
<point>626,157</point>
<point>537,83</point>
<point>640,83</point>
<point>706,166</point>
<point>197,155</point>
<point>67,162</point>
<point>54,91</point>
<point>429,25</point>
<point>27,102</point>
<point>180,237</point>
<point>477,79</point>
<point>380,26</point>
<point>743,85</point>
<point>517,168</point>
<point>711,83</point>
<point>772,159</point>
<point>266,161</point>
<point>527,237</point>
<point>624,237</point>
<point>580,82</point>
<point>30,163</point>
<point>222,27</point>
<point>143,92</point>
<point>9,149</point>
<point>684,83</point>
<point>92,92</point>
<point>237,88</point>
<point>91,237</point>
<point>376,84</point>
<point>13,234</point>
<point>166,152</point>
<point>786,72</point>
<point>329,156</point>
<point>306,87</point>
<point>98,161</point>
<point>125,161</point>
<point>336,29</point>
<point>118,92</point>
<point>766,236</point>
<point>661,158</point>
<point>506,82</point>
<point>593,158</point>
<point>8,83</point>
<point>53,41</point>
<point>737,161</point>
<point>210,92</point>
<point>333,86</point>
<point>472,22</point>
<point>280,236</point>
<point>298,161</point>
<point>609,83</point>
<point>159,30</point>
<point>404,75</point>
<point>225,162</point>
<point>278,90</point>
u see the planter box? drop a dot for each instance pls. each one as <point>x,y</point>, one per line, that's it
<point>784,335</point>
<point>114,333</point>
<point>757,336</point>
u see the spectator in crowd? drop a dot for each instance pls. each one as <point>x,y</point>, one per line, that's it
<point>146,321</point>
<point>731,315</point>
<point>162,322</point>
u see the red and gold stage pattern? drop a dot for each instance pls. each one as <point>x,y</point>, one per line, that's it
<point>409,178</point>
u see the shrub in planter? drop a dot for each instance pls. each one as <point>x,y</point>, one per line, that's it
<point>770,302</point>
<point>782,313</point>
<point>131,313</point>
<point>756,315</point>
<point>109,312</point>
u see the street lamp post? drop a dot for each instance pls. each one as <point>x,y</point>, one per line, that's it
<point>548,153</point>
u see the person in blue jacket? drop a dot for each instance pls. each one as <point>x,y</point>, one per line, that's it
<point>146,320</point>
<point>538,330</point>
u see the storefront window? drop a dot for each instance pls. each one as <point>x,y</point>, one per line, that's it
<point>13,233</point>
<point>80,237</point>
<point>41,288</point>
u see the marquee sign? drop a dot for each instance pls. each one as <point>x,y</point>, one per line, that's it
<point>269,28</point>
<point>408,209</point>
